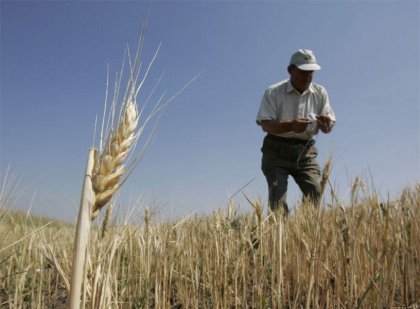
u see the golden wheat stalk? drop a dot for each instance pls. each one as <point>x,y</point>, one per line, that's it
<point>324,179</point>
<point>109,166</point>
<point>82,234</point>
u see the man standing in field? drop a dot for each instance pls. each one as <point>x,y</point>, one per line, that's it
<point>291,113</point>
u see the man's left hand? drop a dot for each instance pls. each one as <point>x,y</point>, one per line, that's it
<point>325,123</point>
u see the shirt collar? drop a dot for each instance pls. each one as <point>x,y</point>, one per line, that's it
<point>290,87</point>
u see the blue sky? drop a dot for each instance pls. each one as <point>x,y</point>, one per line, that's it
<point>54,58</point>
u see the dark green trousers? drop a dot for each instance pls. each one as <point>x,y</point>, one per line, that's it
<point>283,157</point>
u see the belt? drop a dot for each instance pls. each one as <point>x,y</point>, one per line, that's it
<point>287,140</point>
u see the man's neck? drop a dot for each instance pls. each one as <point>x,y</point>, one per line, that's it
<point>297,89</point>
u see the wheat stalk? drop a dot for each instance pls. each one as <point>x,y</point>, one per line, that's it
<point>109,166</point>
<point>105,223</point>
<point>82,234</point>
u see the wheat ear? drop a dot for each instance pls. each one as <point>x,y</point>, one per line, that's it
<point>103,178</point>
<point>324,179</point>
<point>105,169</point>
<point>109,166</point>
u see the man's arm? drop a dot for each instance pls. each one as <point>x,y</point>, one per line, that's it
<point>326,117</point>
<point>276,127</point>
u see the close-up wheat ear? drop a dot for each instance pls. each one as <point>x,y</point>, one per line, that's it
<point>110,164</point>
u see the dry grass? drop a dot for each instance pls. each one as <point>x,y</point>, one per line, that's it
<point>363,255</point>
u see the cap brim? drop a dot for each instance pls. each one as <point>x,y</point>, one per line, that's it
<point>308,67</point>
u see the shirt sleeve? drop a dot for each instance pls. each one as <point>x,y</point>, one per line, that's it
<point>326,109</point>
<point>268,107</point>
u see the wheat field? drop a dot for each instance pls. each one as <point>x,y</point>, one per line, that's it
<point>361,255</point>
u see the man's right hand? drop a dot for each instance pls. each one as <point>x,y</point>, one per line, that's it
<point>299,125</point>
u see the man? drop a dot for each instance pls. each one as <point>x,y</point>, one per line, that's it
<point>291,113</point>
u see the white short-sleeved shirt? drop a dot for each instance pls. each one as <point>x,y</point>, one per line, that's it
<point>282,102</point>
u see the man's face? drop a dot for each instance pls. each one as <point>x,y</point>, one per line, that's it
<point>300,79</point>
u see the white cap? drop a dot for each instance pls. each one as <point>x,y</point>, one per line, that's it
<point>304,59</point>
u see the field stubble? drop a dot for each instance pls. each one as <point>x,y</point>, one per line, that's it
<point>363,255</point>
